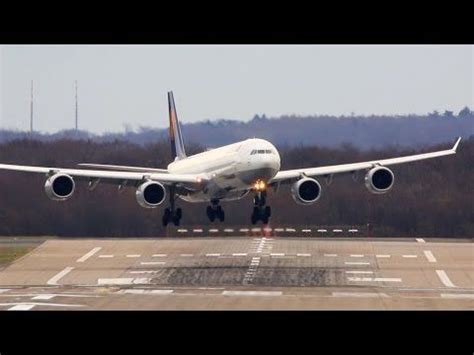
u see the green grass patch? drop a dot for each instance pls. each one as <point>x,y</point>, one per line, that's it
<point>9,254</point>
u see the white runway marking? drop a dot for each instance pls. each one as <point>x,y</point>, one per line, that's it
<point>420,240</point>
<point>88,255</point>
<point>158,255</point>
<point>330,255</point>
<point>123,281</point>
<point>277,254</point>
<point>279,229</point>
<point>356,263</point>
<point>3,290</point>
<point>353,230</point>
<point>337,230</point>
<point>306,230</point>
<point>303,254</point>
<point>359,272</point>
<point>213,230</point>
<point>43,297</point>
<point>409,256</point>
<point>21,307</point>
<point>243,230</point>
<point>239,254</point>
<point>152,263</point>
<point>322,230</point>
<point>41,304</point>
<point>213,254</point>
<point>54,280</point>
<point>359,294</point>
<point>187,255</point>
<point>290,230</point>
<point>376,279</point>
<point>133,256</point>
<point>228,230</point>
<point>429,255</point>
<point>267,229</point>
<point>106,256</point>
<point>182,230</point>
<point>147,292</point>
<point>444,278</point>
<point>252,293</point>
<point>256,229</point>
<point>382,256</point>
<point>458,295</point>
<point>357,255</point>
<point>199,230</point>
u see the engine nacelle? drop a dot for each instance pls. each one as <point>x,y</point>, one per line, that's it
<point>306,191</point>
<point>59,187</point>
<point>150,194</point>
<point>379,180</point>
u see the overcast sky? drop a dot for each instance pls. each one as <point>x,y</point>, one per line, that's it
<point>121,85</point>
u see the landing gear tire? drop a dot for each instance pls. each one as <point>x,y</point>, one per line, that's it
<point>169,216</point>
<point>211,214</point>
<point>220,213</point>
<point>260,211</point>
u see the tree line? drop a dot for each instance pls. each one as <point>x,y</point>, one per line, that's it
<point>429,198</point>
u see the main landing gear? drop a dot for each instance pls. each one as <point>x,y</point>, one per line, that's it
<point>171,214</point>
<point>260,212</point>
<point>215,211</point>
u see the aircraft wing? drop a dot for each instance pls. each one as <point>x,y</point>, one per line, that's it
<point>115,176</point>
<point>123,168</point>
<point>347,168</point>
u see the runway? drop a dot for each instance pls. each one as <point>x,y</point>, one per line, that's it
<point>231,273</point>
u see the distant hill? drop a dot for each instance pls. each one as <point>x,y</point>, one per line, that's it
<point>364,132</point>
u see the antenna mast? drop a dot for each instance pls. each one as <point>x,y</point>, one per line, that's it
<point>76,109</point>
<point>31,108</point>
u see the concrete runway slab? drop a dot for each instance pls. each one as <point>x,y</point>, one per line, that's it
<point>241,273</point>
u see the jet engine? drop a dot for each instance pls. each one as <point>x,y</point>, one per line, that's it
<point>306,191</point>
<point>379,180</point>
<point>59,187</point>
<point>150,194</point>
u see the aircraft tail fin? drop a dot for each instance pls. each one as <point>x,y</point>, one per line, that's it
<point>176,137</point>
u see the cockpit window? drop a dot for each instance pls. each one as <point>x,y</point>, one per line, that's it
<point>261,151</point>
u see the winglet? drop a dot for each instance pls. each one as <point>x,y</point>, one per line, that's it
<point>456,144</point>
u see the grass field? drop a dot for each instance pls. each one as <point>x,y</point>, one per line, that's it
<point>10,253</point>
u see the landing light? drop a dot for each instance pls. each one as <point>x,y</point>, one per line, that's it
<point>259,185</point>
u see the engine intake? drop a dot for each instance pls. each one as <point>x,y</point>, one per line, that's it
<point>379,180</point>
<point>306,191</point>
<point>150,194</point>
<point>59,187</point>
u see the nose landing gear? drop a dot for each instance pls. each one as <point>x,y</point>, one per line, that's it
<point>260,212</point>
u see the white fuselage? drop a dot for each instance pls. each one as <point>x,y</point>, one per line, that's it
<point>230,170</point>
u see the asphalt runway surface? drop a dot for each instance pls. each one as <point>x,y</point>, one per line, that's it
<point>232,273</point>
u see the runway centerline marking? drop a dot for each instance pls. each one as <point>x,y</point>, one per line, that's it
<point>357,255</point>
<point>330,255</point>
<point>54,280</point>
<point>444,278</point>
<point>88,255</point>
<point>215,254</point>
<point>108,256</point>
<point>409,256</point>
<point>359,272</point>
<point>360,294</point>
<point>239,254</point>
<point>458,295</point>
<point>382,256</point>
<point>303,254</point>
<point>252,293</point>
<point>123,281</point>
<point>376,279</point>
<point>187,255</point>
<point>152,263</point>
<point>429,255</point>
<point>158,255</point>
<point>420,240</point>
<point>133,255</point>
<point>356,263</point>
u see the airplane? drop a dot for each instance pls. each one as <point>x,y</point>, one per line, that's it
<point>222,174</point>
